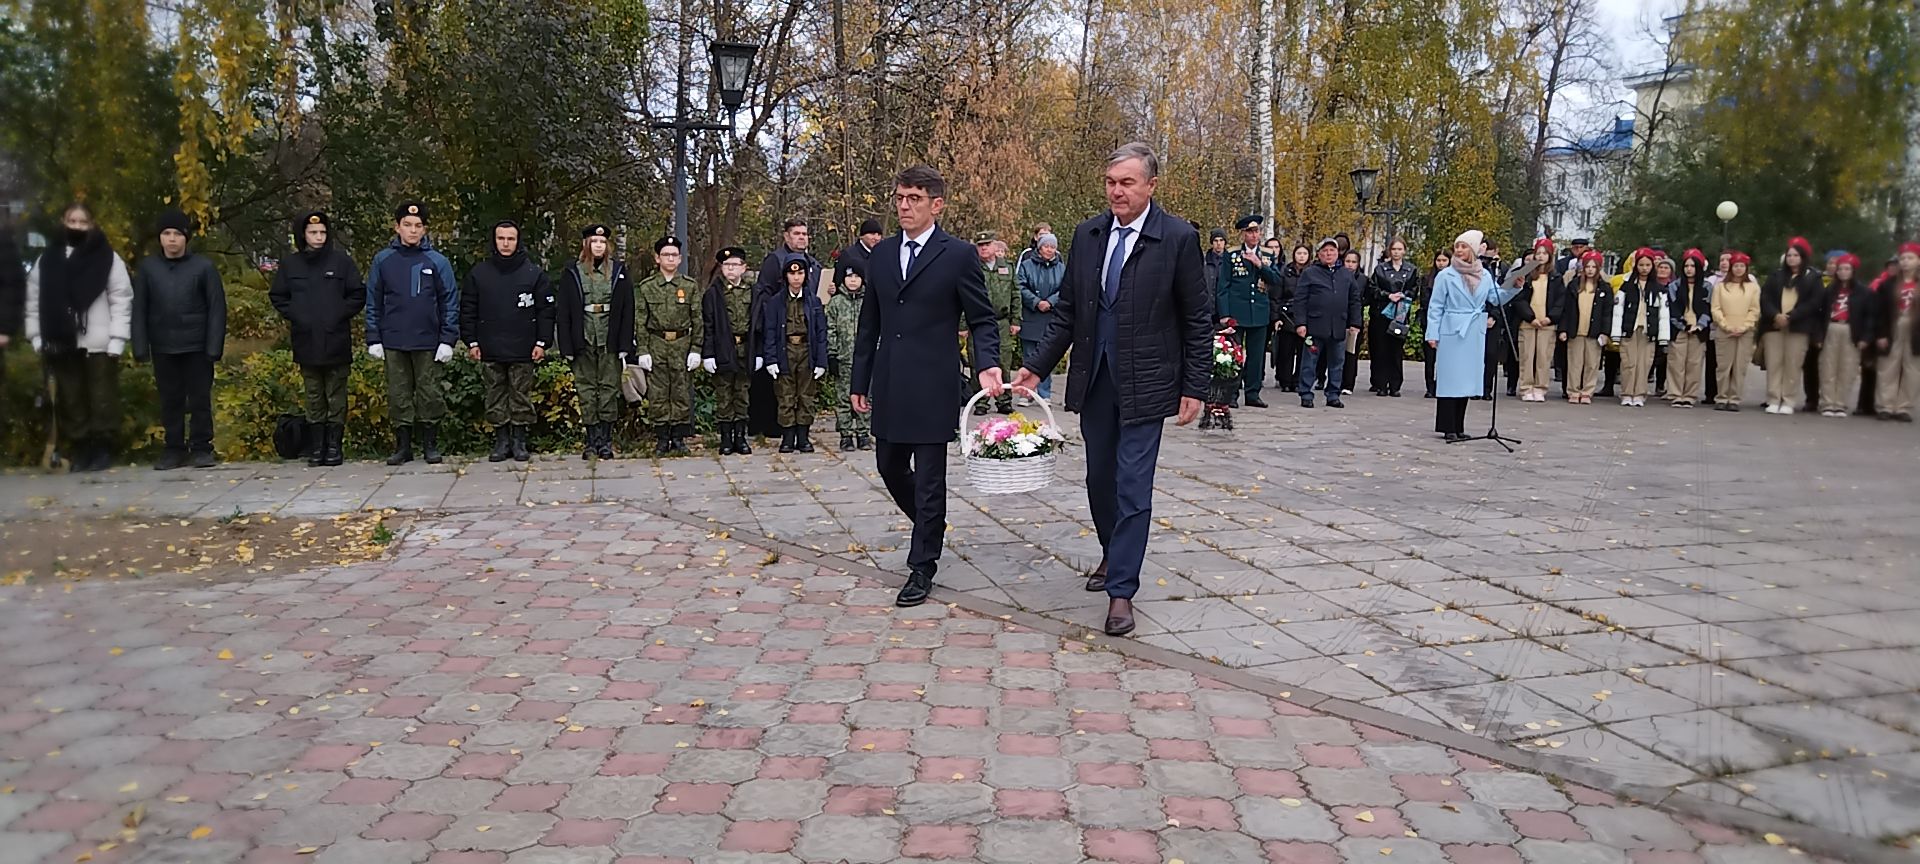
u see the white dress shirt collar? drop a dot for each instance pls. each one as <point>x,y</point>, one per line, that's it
<point>907,253</point>
<point>1138,222</point>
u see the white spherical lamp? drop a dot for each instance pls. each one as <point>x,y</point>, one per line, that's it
<point>1726,211</point>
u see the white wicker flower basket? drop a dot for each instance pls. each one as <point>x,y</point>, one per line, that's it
<point>1006,476</point>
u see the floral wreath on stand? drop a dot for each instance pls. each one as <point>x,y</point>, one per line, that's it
<point>1229,359</point>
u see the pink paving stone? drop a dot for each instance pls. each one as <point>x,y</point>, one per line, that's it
<point>793,768</point>
<point>409,826</point>
<point>329,757</point>
<point>966,674</point>
<point>1386,822</point>
<point>1093,681</point>
<point>1179,749</point>
<point>1243,727</point>
<point>587,739</point>
<point>1117,774</point>
<point>463,665</point>
<point>711,673</point>
<point>940,769</point>
<point>429,646</point>
<point>1030,804</point>
<point>1162,701</point>
<point>894,692</point>
<point>628,764</point>
<point>1027,699</point>
<point>1030,745</point>
<point>1213,814</point>
<point>738,639</point>
<point>1278,852</point>
<point>951,716</point>
<point>1431,788</point>
<point>1589,796</point>
<point>531,797</point>
<point>52,778</point>
<point>584,832</point>
<point>1027,660</point>
<point>668,653</point>
<point>1460,853</point>
<point>489,766</point>
<point>1094,721</point>
<point>172,752</point>
<point>939,841</point>
<point>629,690</point>
<point>1470,762</point>
<point>835,673</point>
<point>693,798</point>
<point>366,790</point>
<point>906,655</point>
<point>850,638</point>
<point>759,836</point>
<point>257,855</point>
<point>815,712</point>
<point>401,706</point>
<point>1123,847</point>
<point>727,739</point>
<point>1377,735</point>
<point>1289,709</point>
<point>1331,756</point>
<point>547,646</point>
<point>1546,825</point>
<point>859,800</point>
<point>883,740</point>
<point>1653,857</point>
<point>534,709</point>
<point>970,640</point>
<point>783,655</point>
<point>1272,783</point>
<point>64,817</point>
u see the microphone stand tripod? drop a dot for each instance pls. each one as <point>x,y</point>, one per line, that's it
<point>1493,394</point>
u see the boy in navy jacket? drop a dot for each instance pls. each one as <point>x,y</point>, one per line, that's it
<point>413,319</point>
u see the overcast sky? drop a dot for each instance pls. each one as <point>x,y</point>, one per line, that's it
<point>1625,21</point>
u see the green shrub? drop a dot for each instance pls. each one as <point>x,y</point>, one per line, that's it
<point>23,414</point>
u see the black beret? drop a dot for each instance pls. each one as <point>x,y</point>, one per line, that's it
<point>721,256</point>
<point>410,208</point>
<point>1248,221</point>
<point>664,242</point>
<point>595,230</point>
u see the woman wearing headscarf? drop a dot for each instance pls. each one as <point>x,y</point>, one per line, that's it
<point>1792,309</point>
<point>1457,331</point>
<point>1736,312</point>
<point>1585,316</point>
<point>80,318</point>
<point>1640,324</point>
<point>1848,332</point>
<point>1691,302</point>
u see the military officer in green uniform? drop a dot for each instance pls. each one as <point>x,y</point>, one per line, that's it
<point>593,328</point>
<point>793,331</point>
<point>1246,275</point>
<point>669,306</point>
<point>843,322</point>
<point>727,313</point>
<point>1003,291</point>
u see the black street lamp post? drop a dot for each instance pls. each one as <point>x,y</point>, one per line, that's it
<point>1370,199</point>
<point>732,64</point>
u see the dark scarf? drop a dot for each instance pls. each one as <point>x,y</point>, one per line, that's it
<point>69,284</point>
<point>506,264</point>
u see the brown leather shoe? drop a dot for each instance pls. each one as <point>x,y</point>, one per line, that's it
<point>1119,616</point>
<point>1097,580</point>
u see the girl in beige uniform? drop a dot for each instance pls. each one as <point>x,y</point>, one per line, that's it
<point>1736,311</point>
<point>1587,311</point>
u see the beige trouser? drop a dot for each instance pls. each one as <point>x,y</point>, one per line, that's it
<point>1636,357</point>
<point>1536,357</point>
<point>1583,365</point>
<point>1734,354</point>
<point>1839,368</point>
<point>1686,367</point>
<point>1898,372</point>
<point>1786,353</point>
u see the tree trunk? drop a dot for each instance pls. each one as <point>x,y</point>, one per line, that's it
<point>1263,80</point>
<point>1906,219</point>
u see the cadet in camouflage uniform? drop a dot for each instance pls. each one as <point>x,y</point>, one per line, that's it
<point>843,322</point>
<point>669,306</point>
<point>593,327</point>
<point>727,313</point>
<point>1005,295</point>
<point>793,328</point>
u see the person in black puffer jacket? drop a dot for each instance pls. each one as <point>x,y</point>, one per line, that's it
<point>1793,308</point>
<point>317,289</point>
<point>180,323</point>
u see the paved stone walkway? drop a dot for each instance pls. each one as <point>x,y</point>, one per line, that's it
<point>596,683</point>
<point>1721,604</point>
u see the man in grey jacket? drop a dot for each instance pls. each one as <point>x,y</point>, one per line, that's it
<point>180,324</point>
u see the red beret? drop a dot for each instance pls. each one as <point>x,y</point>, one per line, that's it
<point>1592,255</point>
<point>1849,259</point>
<point>1800,243</point>
<point>1738,257</point>
<point>1643,252</point>
<point>1544,241</point>
<point>1910,247</point>
<point>1697,255</point>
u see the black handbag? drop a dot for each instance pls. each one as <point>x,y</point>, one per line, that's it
<point>290,436</point>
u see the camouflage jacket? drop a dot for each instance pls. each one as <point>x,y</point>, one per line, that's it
<point>843,323</point>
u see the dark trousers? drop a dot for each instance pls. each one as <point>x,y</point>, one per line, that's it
<point>1120,464</point>
<point>1810,379</point>
<point>1254,373</point>
<point>1869,380</point>
<point>1331,356</point>
<point>1350,372</point>
<point>1560,365</point>
<point>1450,415</point>
<point>1286,359</point>
<point>1659,380</point>
<point>1386,374</point>
<point>87,395</point>
<point>916,477</point>
<point>1428,352</point>
<point>1610,362</point>
<point>185,382</point>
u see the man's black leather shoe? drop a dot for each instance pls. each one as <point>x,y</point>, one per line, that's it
<point>919,585</point>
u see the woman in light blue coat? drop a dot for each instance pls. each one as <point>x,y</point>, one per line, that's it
<point>1457,331</point>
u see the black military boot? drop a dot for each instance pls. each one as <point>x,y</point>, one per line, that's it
<point>680,435</point>
<point>803,439</point>
<point>786,439</point>
<point>430,443</point>
<point>336,443</point>
<point>662,441</point>
<point>590,442</point>
<point>742,442</point>
<point>519,442</point>
<point>316,445</point>
<point>846,443</point>
<point>402,446</point>
<point>502,444</point>
<point>864,442</point>
<point>605,447</point>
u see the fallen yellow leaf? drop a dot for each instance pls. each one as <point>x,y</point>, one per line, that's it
<point>201,833</point>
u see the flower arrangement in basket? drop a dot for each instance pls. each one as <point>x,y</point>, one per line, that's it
<point>1229,358</point>
<point>1010,455</point>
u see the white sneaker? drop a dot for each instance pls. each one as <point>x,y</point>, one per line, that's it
<point>1786,409</point>
<point>1023,402</point>
<point>1772,408</point>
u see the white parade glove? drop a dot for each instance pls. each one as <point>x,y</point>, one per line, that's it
<point>1603,340</point>
<point>377,351</point>
<point>818,371</point>
<point>759,362</point>
<point>115,347</point>
<point>645,362</point>
<point>693,360</point>
<point>774,370</point>
<point>711,365</point>
<point>443,353</point>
